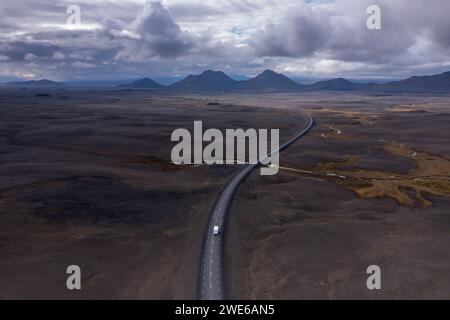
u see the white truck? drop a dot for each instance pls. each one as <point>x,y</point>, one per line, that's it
<point>216,230</point>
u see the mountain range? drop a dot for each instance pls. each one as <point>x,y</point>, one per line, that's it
<point>270,81</point>
<point>207,81</point>
<point>36,83</point>
<point>338,84</point>
<point>435,84</point>
<point>145,83</point>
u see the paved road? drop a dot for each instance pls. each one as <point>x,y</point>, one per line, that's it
<point>211,280</point>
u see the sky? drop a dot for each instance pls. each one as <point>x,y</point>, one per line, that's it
<point>120,39</point>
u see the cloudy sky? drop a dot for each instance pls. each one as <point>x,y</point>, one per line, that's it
<point>119,39</point>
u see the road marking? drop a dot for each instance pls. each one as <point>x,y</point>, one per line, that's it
<point>219,214</point>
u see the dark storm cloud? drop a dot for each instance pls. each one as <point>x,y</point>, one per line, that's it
<point>308,32</point>
<point>194,11</point>
<point>18,50</point>
<point>128,38</point>
<point>433,19</point>
<point>156,35</point>
<point>351,40</point>
<point>338,31</point>
<point>298,36</point>
<point>114,44</point>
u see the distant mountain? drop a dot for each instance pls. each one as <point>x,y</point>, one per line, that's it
<point>36,83</point>
<point>269,81</point>
<point>338,84</point>
<point>207,81</point>
<point>434,84</point>
<point>145,83</point>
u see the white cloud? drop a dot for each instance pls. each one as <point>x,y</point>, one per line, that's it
<point>29,56</point>
<point>83,65</point>
<point>59,56</point>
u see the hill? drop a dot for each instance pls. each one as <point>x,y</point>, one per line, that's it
<point>36,83</point>
<point>207,81</point>
<point>145,83</point>
<point>338,84</point>
<point>439,83</point>
<point>269,81</point>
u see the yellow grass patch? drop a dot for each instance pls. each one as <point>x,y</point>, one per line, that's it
<point>431,175</point>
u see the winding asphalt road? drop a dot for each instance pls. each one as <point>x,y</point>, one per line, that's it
<point>211,278</point>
